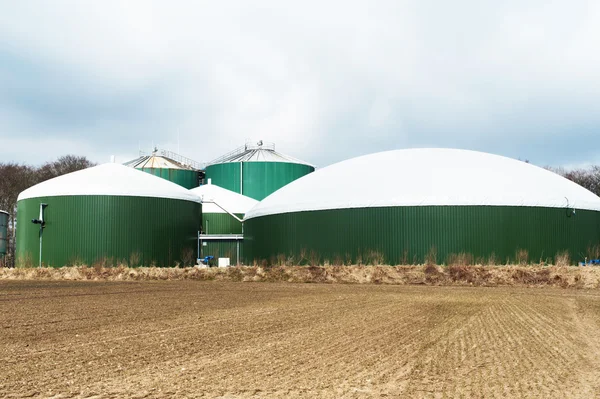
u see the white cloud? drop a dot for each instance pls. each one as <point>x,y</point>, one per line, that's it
<point>324,80</point>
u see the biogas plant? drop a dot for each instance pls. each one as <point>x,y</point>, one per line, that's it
<point>255,205</point>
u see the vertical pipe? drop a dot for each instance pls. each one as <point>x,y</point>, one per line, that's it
<point>198,242</point>
<point>238,251</point>
<point>41,229</point>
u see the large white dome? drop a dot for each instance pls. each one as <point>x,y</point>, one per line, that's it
<point>423,177</point>
<point>231,201</point>
<point>109,179</point>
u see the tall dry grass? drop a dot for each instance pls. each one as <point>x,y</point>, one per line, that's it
<point>458,273</point>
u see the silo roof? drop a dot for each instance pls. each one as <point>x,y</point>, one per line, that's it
<point>257,153</point>
<point>231,201</point>
<point>427,177</point>
<point>156,161</point>
<point>109,179</point>
<point>4,212</point>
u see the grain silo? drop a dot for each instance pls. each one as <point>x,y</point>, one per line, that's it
<point>403,206</point>
<point>3,233</point>
<point>107,214</point>
<point>256,170</point>
<point>222,215</point>
<point>169,166</point>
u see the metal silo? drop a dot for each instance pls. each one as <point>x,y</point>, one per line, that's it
<point>451,202</point>
<point>169,166</point>
<point>256,170</point>
<point>107,214</point>
<point>222,215</point>
<point>3,233</point>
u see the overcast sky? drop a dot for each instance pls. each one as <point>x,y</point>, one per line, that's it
<point>324,80</point>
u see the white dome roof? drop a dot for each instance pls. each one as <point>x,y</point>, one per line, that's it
<point>109,179</point>
<point>421,177</point>
<point>231,201</point>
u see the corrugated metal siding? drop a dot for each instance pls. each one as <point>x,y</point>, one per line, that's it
<point>221,223</point>
<point>183,177</point>
<point>3,233</point>
<point>222,249</point>
<point>407,234</point>
<point>85,229</point>
<point>260,178</point>
<point>225,175</point>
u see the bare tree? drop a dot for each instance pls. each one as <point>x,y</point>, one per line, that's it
<point>587,178</point>
<point>63,165</point>
<point>15,178</point>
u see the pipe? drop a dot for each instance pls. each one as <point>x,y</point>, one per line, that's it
<point>231,214</point>
<point>198,241</point>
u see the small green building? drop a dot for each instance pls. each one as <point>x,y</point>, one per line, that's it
<point>406,206</point>
<point>222,212</point>
<point>108,214</point>
<point>169,166</point>
<point>256,170</point>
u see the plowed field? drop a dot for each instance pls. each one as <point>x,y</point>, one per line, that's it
<point>246,340</point>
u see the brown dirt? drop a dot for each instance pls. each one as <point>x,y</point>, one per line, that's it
<point>243,340</point>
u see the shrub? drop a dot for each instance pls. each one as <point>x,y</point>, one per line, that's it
<point>431,257</point>
<point>522,256</point>
<point>375,258</point>
<point>314,258</point>
<point>593,251</point>
<point>562,259</point>
<point>187,257</point>
<point>431,269</point>
<point>460,259</point>
<point>458,272</point>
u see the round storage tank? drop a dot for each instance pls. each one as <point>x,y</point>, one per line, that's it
<point>419,203</point>
<point>3,233</point>
<point>218,206</point>
<point>108,214</point>
<point>169,169</point>
<point>256,170</point>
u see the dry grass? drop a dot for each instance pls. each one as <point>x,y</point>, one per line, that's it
<point>457,273</point>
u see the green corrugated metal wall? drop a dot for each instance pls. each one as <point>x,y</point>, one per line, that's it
<point>407,234</point>
<point>183,177</point>
<point>222,223</point>
<point>3,233</point>
<point>86,229</point>
<point>260,179</point>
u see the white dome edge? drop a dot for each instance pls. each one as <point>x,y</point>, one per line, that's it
<point>108,179</point>
<point>289,199</point>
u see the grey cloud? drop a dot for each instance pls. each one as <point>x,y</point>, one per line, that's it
<point>325,80</point>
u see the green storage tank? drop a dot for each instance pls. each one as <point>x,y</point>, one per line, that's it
<point>182,171</point>
<point>3,233</point>
<point>222,232</point>
<point>419,203</point>
<point>108,213</point>
<point>256,170</point>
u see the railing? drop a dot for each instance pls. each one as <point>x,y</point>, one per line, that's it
<point>176,157</point>
<point>250,145</point>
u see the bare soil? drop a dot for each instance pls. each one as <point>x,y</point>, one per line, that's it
<point>153,339</point>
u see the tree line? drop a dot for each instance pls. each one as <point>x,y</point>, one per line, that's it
<point>16,177</point>
<point>588,178</point>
